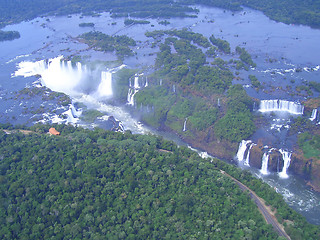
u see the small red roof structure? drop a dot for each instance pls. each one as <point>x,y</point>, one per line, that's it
<point>53,131</point>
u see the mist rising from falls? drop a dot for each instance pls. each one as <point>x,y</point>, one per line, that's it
<point>72,79</point>
<point>56,74</point>
<point>83,85</point>
<point>281,106</point>
<point>105,86</point>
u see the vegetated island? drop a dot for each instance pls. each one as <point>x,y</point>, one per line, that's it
<point>101,184</point>
<point>8,35</point>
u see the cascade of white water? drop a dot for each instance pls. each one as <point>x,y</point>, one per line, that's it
<point>69,65</point>
<point>185,125</point>
<point>146,85</point>
<point>174,88</point>
<point>286,156</point>
<point>130,97</point>
<point>242,149</point>
<point>72,115</point>
<point>75,113</point>
<point>56,74</point>
<point>136,82</point>
<point>264,167</point>
<point>247,162</point>
<point>79,67</point>
<point>281,106</point>
<point>219,102</point>
<point>105,86</point>
<point>313,114</point>
<point>160,82</point>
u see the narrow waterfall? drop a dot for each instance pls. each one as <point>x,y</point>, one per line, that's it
<point>130,96</point>
<point>247,162</point>
<point>136,82</point>
<point>242,149</point>
<point>219,102</point>
<point>281,106</point>
<point>174,88</point>
<point>264,167</point>
<point>146,85</point>
<point>160,83</point>
<point>185,125</point>
<point>105,86</point>
<point>133,89</point>
<point>313,114</point>
<point>286,156</point>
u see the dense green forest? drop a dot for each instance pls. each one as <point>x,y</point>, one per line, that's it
<point>289,11</point>
<point>99,184</point>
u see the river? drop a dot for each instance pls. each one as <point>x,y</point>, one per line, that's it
<point>278,50</point>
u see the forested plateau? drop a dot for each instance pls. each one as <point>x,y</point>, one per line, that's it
<point>100,184</point>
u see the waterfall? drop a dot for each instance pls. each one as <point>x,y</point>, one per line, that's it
<point>160,83</point>
<point>185,125</point>
<point>72,114</point>
<point>130,97</point>
<point>174,88</point>
<point>219,102</point>
<point>313,114</point>
<point>136,82</point>
<point>75,113</point>
<point>242,149</point>
<point>56,74</point>
<point>281,106</point>
<point>146,85</point>
<point>133,90</point>
<point>247,162</point>
<point>286,156</point>
<point>264,167</point>
<point>105,86</point>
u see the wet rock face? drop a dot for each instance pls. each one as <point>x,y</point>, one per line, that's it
<point>308,169</point>
<point>275,163</point>
<point>256,157</point>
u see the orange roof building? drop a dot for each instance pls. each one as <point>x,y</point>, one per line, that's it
<point>53,131</point>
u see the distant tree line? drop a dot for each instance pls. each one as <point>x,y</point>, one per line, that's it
<point>288,11</point>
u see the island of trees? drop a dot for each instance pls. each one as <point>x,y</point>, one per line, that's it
<point>9,35</point>
<point>106,43</point>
